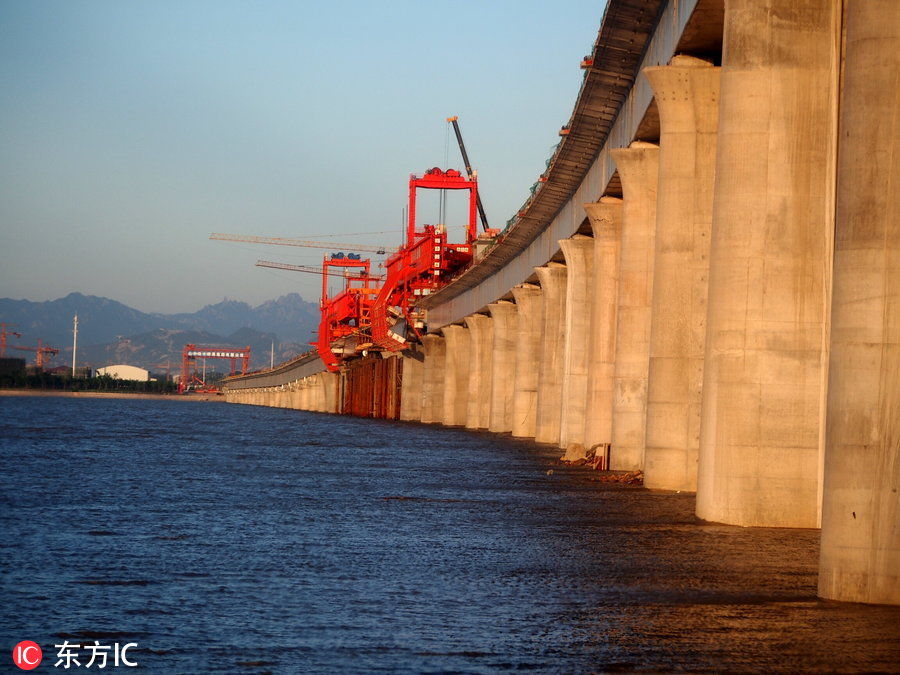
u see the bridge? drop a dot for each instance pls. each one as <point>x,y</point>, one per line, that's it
<point>704,286</point>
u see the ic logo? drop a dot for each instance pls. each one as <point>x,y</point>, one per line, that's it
<point>27,655</point>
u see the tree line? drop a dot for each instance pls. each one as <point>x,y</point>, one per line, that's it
<point>99,383</point>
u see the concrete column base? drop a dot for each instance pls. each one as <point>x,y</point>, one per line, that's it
<point>638,167</point>
<point>529,304</point>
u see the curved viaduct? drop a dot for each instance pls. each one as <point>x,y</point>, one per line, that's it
<point>705,286</point>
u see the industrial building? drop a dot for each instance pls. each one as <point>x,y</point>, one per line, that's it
<point>124,372</point>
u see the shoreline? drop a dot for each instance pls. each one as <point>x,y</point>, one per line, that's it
<point>110,395</point>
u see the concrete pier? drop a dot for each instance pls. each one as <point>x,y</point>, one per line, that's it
<point>435,351</point>
<point>310,389</point>
<point>552,278</point>
<point>481,334</point>
<point>687,95</point>
<point>764,374</point>
<point>293,395</point>
<point>579,253</point>
<point>456,376</point>
<point>331,393</point>
<point>732,327</point>
<point>860,551</point>
<point>606,223</point>
<point>638,167</point>
<point>411,388</point>
<point>503,365</point>
<point>311,383</point>
<point>305,393</point>
<point>319,392</point>
<point>529,303</point>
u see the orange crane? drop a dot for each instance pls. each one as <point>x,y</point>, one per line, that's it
<point>285,241</point>
<point>3,335</point>
<point>40,351</point>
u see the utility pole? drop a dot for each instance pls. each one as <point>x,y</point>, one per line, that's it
<point>74,343</point>
<point>272,356</point>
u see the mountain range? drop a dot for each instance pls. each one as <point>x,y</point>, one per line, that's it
<point>111,332</point>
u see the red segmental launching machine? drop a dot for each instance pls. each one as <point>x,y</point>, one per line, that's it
<point>346,317</point>
<point>424,263</point>
<point>366,316</point>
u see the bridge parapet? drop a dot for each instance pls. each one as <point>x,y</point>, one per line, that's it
<point>296,369</point>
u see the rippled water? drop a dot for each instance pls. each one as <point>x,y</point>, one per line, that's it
<point>240,539</point>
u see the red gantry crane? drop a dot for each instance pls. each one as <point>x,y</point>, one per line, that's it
<point>353,321</point>
<point>427,261</point>
<point>190,381</point>
<point>345,323</point>
<point>346,317</point>
<point>423,264</point>
<point>345,320</point>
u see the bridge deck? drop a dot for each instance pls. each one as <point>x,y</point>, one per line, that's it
<point>611,105</point>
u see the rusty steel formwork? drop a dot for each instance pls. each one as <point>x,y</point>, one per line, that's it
<point>370,387</point>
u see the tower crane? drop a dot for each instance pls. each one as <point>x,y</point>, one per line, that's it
<point>40,351</point>
<point>3,335</point>
<point>285,241</point>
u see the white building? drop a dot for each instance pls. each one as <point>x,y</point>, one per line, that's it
<point>124,372</point>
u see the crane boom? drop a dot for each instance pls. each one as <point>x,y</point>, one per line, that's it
<point>298,268</point>
<point>469,172</point>
<point>284,241</point>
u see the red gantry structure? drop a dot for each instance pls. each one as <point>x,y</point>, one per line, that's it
<point>366,316</point>
<point>345,321</point>
<point>190,381</point>
<point>424,263</point>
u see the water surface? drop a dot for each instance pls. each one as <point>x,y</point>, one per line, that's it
<point>227,538</point>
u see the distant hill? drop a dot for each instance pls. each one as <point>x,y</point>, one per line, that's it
<point>111,332</point>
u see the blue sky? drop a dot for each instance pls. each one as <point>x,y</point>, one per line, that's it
<point>129,131</point>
